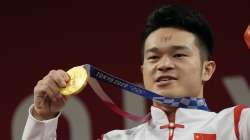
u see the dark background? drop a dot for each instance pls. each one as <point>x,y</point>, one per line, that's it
<point>37,36</point>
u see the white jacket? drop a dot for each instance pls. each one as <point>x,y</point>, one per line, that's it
<point>190,124</point>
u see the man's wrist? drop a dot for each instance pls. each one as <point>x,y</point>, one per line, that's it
<point>42,116</point>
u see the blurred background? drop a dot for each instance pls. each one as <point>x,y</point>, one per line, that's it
<point>38,36</point>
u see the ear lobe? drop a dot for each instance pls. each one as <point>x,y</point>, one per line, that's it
<point>208,70</point>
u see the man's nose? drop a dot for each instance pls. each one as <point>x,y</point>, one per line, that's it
<point>165,64</point>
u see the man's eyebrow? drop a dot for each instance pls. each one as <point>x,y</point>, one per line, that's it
<point>173,48</point>
<point>180,47</point>
<point>152,50</point>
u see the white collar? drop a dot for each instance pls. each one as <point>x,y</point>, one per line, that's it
<point>182,116</point>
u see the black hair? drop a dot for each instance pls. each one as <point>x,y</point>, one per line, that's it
<point>184,18</point>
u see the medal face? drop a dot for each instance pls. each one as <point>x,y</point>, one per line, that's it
<point>78,80</point>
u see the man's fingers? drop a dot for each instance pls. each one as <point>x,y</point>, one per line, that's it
<point>65,98</point>
<point>64,75</point>
<point>49,82</point>
<point>42,91</point>
<point>52,95</point>
<point>51,85</point>
<point>47,98</point>
<point>60,77</point>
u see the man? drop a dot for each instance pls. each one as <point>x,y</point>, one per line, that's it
<point>177,48</point>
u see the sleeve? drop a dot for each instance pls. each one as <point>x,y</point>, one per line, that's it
<point>244,124</point>
<point>40,130</point>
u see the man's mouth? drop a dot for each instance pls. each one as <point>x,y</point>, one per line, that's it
<point>165,80</point>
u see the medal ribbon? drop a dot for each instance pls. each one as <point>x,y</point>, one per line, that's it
<point>97,74</point>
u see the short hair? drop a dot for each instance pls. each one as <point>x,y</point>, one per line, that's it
<point>184,18</point>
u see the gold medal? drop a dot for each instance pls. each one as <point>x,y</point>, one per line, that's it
<point>78,80</point>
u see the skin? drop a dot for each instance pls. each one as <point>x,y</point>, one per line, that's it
<point>47,99</point>
<point>167,52</point>
<point>175,53</point>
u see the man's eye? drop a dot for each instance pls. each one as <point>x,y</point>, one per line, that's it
<point>179,55</point>
<point>153,57</point>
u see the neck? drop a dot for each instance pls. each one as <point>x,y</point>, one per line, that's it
<point>170,111</point>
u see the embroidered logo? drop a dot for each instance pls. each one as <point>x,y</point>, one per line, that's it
<point>201,136</point>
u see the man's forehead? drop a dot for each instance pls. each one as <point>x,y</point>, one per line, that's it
<point>166,37</point>
<point>170,37</point>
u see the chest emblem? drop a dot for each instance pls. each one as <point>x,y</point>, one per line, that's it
<point>201,136</point>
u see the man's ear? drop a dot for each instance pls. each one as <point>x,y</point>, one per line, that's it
<point>208,70</point>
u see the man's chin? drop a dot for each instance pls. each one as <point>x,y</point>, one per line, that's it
<point>168,94</point>
<point>174,94</point>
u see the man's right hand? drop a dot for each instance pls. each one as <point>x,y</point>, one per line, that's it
<point>48,102</point>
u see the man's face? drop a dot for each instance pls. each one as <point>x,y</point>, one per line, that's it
<point>172,64</point>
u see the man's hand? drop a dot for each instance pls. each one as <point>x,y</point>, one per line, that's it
<point>48,102</point>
